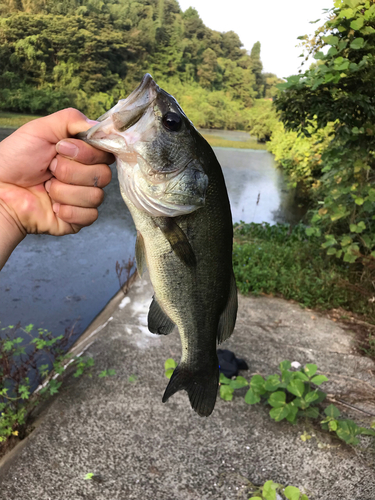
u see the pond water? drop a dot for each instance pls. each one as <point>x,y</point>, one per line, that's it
<point>60,282</point>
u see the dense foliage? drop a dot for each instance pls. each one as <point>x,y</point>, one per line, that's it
<point>339,92</point>
<point>280,260</point>
<point>90,53</point>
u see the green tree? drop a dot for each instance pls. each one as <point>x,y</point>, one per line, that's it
<point>340,89</point>
<point>257,68</point>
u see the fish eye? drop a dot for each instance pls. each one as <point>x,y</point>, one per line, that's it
<point>172,121</point>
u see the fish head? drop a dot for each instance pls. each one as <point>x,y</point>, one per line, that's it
<point>157,151</point>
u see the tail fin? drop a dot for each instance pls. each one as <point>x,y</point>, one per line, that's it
<point>201,387</point>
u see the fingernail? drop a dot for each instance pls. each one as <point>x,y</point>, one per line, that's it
<point>47,185</point>
<point>66,148</point>
<point>56,207</point>
<point>53,165</point>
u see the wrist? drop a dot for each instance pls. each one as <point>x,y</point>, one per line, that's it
<point>10,234</point>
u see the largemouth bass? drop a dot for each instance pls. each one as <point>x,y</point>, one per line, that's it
<point>174,188</point>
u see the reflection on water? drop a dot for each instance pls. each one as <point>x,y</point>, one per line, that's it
<point>257,189</point>
<point>55,282</point>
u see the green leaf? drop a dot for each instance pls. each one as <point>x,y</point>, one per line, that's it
<point>133,378</point>
<point>359,201</point>
<point>348,431</point>
<point>331,39</point>
<point>357,43</point>
<point>251,397</point>
<point>292,493</point>
<point>279,414</point>
<point>277,399</point>
<point>285,365</point>
<point>226,392</point>
<point>357,24</point>
<point>319,379</point>
<point>170,363</point>
<point>348,13</point>
<point>168,373</point>
<point>310,397</point>
<point>366,432</point>
<point>311,412</point>
<point>257,384</point>
<point>292,412</point>
<point>89,475</point>
<point>269,490</point>
<point>300,376</point>
<point>331,251</point>
<point>332,411</point>
<point>333,425</point>
<point>272,383</point>
<point>319,55</point>
<point>224,380</point>
<point>238,383</point>
<point>296,387</point>
<point>332,51</point>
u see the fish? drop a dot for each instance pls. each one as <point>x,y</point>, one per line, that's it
<point>174,188</point>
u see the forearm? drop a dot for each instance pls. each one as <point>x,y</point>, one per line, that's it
<point>10,235</point>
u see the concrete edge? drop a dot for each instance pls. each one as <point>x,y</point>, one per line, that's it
<point>79,347</point>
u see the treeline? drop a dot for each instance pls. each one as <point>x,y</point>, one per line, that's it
<point>90,53</point>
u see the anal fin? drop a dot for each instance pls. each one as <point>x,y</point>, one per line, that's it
<point>177,239</point>
<point>158,321</point>
<point>140,254</point>
<point>228,316</point>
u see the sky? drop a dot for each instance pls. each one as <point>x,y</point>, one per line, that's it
<point>276,24</point>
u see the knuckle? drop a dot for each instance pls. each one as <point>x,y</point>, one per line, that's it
<point>62,171</point>
<point>67,212</point>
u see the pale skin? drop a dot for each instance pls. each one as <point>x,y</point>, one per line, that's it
<point>50,183</point>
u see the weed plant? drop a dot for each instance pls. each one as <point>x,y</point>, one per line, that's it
<point>25,365</point>
<point>284,261</point>
<point>293,394</point>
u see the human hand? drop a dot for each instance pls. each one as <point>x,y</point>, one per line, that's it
<point>49,182</point>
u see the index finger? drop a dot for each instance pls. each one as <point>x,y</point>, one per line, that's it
<point>82,152</point>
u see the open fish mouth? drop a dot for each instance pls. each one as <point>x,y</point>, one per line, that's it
<point>126,113</point>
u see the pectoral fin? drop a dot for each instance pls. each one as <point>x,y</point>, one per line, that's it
<point>140,254</point>
<point>228,316</point>
<point>158,321</point>
<point>177,239</point>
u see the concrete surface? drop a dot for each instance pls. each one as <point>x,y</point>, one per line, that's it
<point>139,448</point>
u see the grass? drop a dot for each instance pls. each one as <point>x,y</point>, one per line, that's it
<point>218,142</point>
<point>14,120</point>
<point>282,261</point>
